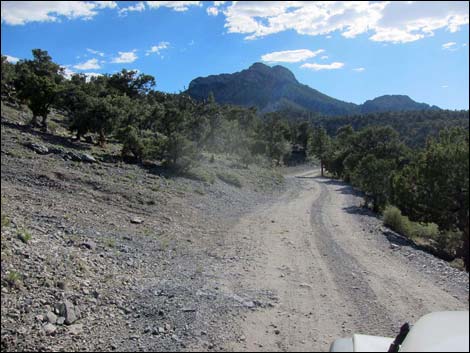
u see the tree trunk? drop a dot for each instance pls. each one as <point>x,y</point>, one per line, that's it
<point>102,138</point>
<point>34,121</point>
<point>44,123</point>
<point>322,166</point>
<point>465,249</point>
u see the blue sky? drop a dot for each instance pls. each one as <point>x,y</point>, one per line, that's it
<point>350,51</point>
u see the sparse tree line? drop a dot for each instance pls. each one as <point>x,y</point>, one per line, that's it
<point>422,192</point>
<point>151,125</point>
<point>423,185</point>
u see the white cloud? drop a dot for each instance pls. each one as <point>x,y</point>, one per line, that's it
<point>219,3</point>
<point>445,86</point>
<point>12,59</point>
<point>449,46</point>
<point>158,48</point>
<point>318,67</point>
<point>291,56</point>
<point>212,11</point>
<point>91,64</point>
<point>125,57</point>
<point>359,69</point>
<point>21,12</point>
<point>106,4</point>
<point>68,73</point>
<point>384,21</point>
<point>324,57</point>
<point>139,7</point>
<point>91,74</point>
<point>174,5</point>
<point>95,52</point>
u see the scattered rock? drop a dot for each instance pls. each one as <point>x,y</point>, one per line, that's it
<point>89,245</point>
<point>50,329</point>
<point>75,329</point>
<point>249,304</point>
<point>61,285</point>
<point>77,157</point>
<point>136,220</point>
<point>67,310</point>
<point>88,158</point>
<point>305,285</point>
<point>38,148</point>
<point>61,320</point>
<point>51,317</point>
<point>21,331</point>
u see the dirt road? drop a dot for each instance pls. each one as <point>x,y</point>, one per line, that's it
<point>329,271</point>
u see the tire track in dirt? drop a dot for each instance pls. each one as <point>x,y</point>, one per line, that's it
<point>329,268</point>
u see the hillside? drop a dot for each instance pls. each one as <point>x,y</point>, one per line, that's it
<point>126,247</point>
<point>276,88</point>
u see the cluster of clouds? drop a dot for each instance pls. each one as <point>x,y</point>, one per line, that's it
<point>301,55</point>
<point>382,21</point>
<point>16,13</point>
<point>122,57</point>
<point>97,62</point>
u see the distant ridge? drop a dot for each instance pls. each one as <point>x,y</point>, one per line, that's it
<point>276,88</point>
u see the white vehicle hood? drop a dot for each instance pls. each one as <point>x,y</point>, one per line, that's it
<point>363,343</point>
<point>439,332</point>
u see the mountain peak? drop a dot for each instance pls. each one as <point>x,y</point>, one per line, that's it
<point>278,72</point>
<point>393,102</point>
<point>259,67</point>
<point>276,88</point>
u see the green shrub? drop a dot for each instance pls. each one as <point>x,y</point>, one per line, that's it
<point>180,153</point>
<point>13,279</point>
<point>53,127</point>
<point>449,242</point>
<point>200,174</point>
<point>424,230</point>
<point>5,221</point>
<point>141,144</point>
<point>393,219</point>
<point>24,236</point>
<point>230,178</point>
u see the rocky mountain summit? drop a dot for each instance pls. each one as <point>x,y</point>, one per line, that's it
<point>276,88</point>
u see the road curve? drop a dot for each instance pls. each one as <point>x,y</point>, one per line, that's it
<point>329,270</point>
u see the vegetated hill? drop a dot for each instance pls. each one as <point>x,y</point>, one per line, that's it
<point>394,103</point>
<point>276,88</point>
<point>414,127</point>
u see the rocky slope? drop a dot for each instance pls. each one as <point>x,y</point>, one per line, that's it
<point>111,256</point>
